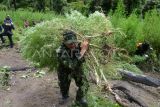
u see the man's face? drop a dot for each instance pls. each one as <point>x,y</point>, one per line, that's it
<point>71,45</point>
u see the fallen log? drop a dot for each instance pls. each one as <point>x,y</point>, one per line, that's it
<point>130,97</point>
<point>21,68</point>
<point>147,80</point>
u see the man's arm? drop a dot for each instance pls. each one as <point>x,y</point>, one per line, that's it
<point>84,48</point>
<point>12,26</point>
<point>0,28</point>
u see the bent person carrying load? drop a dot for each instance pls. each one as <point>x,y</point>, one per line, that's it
<point>71,58</point>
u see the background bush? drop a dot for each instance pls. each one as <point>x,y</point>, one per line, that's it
<point>19,16</point>
<point>151,30</point>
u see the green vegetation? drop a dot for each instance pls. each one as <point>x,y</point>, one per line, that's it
<point>20,16</point>
<point>61,6</point>
<point>39,43</point>
<point>137,30</point>
<point>97,98</point>
<point>4,76</point>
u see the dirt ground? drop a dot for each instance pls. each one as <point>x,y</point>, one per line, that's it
<point>11,57</point>
<point>30,91</point>
<point>44,92</point>
<point>33,92</point>
<point>150,96</point>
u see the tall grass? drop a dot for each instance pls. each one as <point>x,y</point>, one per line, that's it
<point>136,29</point>
<point>151,29</point>
<point>19,16</point>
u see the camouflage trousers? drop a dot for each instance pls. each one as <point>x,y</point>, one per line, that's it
<point>65,75</point>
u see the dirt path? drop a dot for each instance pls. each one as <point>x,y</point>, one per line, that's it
<point>44,92</point>
<point>33,92</point>
<point>12,58</point>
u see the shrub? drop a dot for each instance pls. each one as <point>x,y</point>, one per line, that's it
<point>3,7</point>
<point>151,29</point>
<point>137,30</point>
<point>79,6</point>
<point>4,76</point>
<point>19,16</point>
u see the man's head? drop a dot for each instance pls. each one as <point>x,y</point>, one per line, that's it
<point>143,48</point>
<point>7,17</point>
<point>70,39</point>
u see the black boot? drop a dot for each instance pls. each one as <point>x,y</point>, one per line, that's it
<point>64,100</point>
<point>11,41</point>
<point>11,45</point>
<point>82,102</point>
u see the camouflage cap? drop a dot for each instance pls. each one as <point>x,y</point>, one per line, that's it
<point>69,37</point>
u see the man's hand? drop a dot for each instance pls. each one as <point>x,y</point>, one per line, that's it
<point>84,47</point>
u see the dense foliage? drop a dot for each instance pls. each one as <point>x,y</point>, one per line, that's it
<point>4,76</point>
<point>20,16</point>
<point>60,6</point>
<point>39,43</point>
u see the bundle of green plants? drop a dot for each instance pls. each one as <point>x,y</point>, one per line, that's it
<point>39,43</point>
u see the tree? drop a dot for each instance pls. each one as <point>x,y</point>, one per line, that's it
<point>40,5</point>
<point>58,5</point>
<point>14,3</point>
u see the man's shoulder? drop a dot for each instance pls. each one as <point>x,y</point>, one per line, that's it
<point>79,45</point>
<point>60,49</point>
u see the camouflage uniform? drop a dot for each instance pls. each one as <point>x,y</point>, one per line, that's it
<point>71,66</point>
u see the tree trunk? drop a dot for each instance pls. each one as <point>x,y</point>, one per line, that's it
<point>129,76</point>
<point>51,5</point>
<point>14,4</point>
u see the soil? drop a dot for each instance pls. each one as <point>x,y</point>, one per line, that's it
<point>44,92</point>
<point>33,91</point>
<point>149,96</point>
<point>11,57</point>
<point>30,91</point>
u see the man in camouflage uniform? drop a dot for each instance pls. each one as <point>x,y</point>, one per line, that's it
<point>71,58</point>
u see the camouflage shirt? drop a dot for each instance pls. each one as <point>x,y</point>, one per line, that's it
<point>70,58</point>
